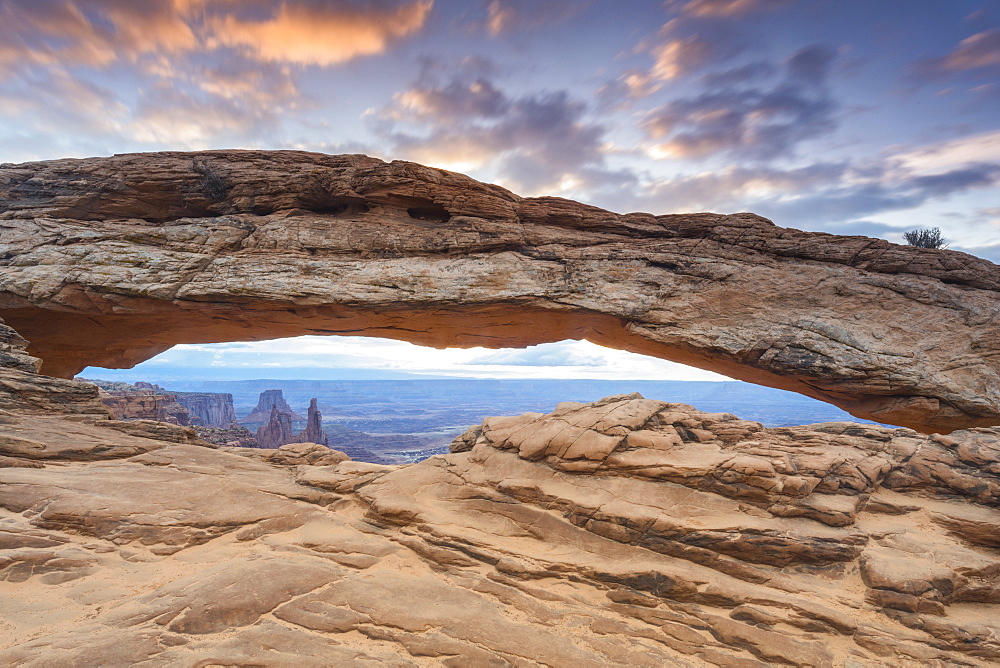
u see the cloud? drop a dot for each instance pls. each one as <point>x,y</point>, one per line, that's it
<point>92,33</point>
<point>729,8</point>
<point>536,141</point>
<point>504,17</point>
<point>733,188</point>
<point>823,196</point>
<point>846,201</point>
<point>177,118</point>
<point>55,101</point>
<point>701,33</point>
<point>259,84</point>
<point>319,34</point>
<point>977,52</point>
<point>204,103</point>
<point>982,147</point>
<point>744,74</point>
<point>455,101</point>
<point>976,232</point>
<point>680,48</point>
<point>842,196</point>
<point>678,55</point>
<point>189,85</point>
<point>99,33</point>
<point>197,106</point>
<point>751,122</point>
<point>231,100</point>
<point>564,353</point>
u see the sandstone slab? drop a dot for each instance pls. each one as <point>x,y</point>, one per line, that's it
<point>637,533</point>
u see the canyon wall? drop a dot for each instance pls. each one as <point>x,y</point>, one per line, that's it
<point>145,401</point>
<point>145,405</point>
<point>211,409</point>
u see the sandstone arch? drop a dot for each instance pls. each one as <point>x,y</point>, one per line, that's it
<point>109,261</point>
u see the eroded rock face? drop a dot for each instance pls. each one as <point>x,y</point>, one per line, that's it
<point>134,403</point>
<point>209,409</point>
<point>626,532</point>
<point>23,389</point>
<point>277,431</point>
<point>266,403</point>
<point>313,433</point>
<point>110,261</point>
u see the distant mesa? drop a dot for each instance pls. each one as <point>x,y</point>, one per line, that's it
<point>269,399</point>
<point>146,401</point>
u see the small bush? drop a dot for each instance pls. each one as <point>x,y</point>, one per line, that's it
<point>925,238</point>
<point>212,182</point>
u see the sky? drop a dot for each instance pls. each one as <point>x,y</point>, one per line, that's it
<point>361,358</point>
<point>865,117</point>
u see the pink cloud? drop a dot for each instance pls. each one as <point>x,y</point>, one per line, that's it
<point>312,35</point>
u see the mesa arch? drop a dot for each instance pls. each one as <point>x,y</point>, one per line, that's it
<point>109,261</point>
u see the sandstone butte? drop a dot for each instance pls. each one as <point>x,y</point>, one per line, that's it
<point>109,261</point>
<point>624,532</point>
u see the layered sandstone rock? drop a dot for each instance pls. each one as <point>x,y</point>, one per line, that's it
<point>627,532</point>
<point>145,403</point>
<point>209,409</point>
<point>277,431</point>
<point>108,261</point>
<point>234,436</point>
<point>23,389</point>
<point>313,433</point>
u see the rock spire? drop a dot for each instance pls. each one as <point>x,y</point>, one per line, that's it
<point>313,432</point>
<point>277,431</point>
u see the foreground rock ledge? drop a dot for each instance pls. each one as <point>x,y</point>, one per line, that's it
<point>109,261</point>
<point>626,532</point>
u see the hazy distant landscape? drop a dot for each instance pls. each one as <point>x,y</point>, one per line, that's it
<point>437,410</point>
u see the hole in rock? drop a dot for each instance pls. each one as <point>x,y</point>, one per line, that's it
<point>336,206</point>
<point>388,401</point>
<point>434,214</point>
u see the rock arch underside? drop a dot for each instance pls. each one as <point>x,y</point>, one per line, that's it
<point>109,261</point>
<point>624,532</point>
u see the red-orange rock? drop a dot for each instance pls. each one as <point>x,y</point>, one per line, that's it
<point>109,261</point>
<point>625,532</point>
<point>277,431</point>
<point>262,411</point>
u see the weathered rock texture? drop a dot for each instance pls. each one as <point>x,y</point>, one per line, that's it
<point>627,532</point>
<point>146,401</point>
<point>210,409</point>
<point>145,404</point>
<point>22,389</point>
<point>234,436</point>
<point>313,433</point>
<point>277,431</point>
<point>109,261</point>
<point>268,400</point>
